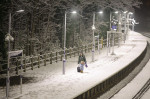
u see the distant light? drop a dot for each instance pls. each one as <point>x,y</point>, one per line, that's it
<point>125,11</point>
<point>93,27</point>
<point>100,12</point>
<point>130,13</point>
<point>116,12</point>
<point>74,12</point>
<point>20,11</point>
<point>97,36</point>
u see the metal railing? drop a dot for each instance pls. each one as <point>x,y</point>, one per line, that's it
<point>32,62</point>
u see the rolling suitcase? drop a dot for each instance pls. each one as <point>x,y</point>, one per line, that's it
<point>78,69</point>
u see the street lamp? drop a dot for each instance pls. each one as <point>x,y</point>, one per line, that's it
<point>116,12</point>
<point>101,12</point>
<point>93,28</point>
<point>125,24</point>
<point>74,12</point>
<point>133,24</point>
<point>64,60</point>
<point>125,12</point>
<point>8,39</point>
<point>128,18</point>
<point>93,45</point>
<point>19,11</point>
<point>113,29</point>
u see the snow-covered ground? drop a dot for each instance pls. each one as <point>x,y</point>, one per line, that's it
<point>49,83</point>
<point>146,95</point>
<point>131,89</point>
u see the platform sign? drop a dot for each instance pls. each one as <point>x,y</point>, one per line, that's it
<point>114,27</point>
<point>13,54</point>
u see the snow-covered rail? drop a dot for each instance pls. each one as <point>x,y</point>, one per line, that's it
<point>142,91</point>
<point>32,62</point>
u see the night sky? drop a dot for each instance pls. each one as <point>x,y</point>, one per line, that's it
<point>142,16</point>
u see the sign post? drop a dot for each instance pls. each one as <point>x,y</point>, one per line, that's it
<point>13,54</point>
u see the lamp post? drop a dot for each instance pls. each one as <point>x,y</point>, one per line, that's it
<point>113,44</point>
<point>108,41</point>
<point>8,39</point>
<point>113,39</point>
<point>93,45</point>
<point>64,60</point>
<point>100,12</point>
<point>119,28</point>
<point>98,43</point>
<point>125,25</point>
<point>116,12</point>
<point>93,29</point>
<point>130,18</point>
<point>110,21</point>
<point>119,22</point>
<point>128,22</point>
<point>133,24</point>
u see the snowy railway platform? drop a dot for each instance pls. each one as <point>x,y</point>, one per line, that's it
<point>138,88</point>
<point>49,82</point>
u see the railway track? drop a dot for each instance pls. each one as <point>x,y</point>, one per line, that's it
<point>146,87</point>
<point>143,90</point>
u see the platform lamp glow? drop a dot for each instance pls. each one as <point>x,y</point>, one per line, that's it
<point>8,39</point>
<point>100,12</point>
<point>64,60</point>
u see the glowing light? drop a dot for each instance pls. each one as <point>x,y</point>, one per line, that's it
<point>93,27</point>
<point>20,11</point>
<point>74,12</point>
<point>125,11</point>
<point>116,12</point>
<point>100,12</point>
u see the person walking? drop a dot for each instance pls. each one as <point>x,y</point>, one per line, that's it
<point>82,61</point>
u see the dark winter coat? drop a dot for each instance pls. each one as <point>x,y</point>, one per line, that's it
<point>81,58</point>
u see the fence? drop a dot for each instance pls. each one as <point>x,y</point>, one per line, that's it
<point>32,62</point>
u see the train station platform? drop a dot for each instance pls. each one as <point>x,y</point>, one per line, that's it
<point>48,82</point>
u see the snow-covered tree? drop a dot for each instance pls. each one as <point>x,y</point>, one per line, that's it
<point>40,28</point>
